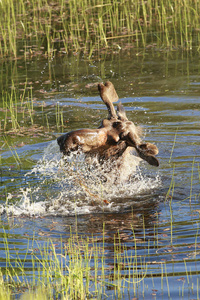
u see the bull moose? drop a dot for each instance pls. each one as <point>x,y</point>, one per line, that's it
<point>113,139</point>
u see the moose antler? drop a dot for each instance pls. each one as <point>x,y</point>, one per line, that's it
<point>146,151</point>
<point>108,95</point>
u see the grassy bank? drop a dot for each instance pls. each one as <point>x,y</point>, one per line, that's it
<point>47,27</point>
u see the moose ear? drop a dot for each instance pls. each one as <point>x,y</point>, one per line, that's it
<point>149,148</point>
<point>147,152</point>
<point>121,112</point>
<point>152,160</point>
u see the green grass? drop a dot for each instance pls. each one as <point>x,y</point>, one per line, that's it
<point>21,115</point>
<point>72,270</point>
<point>45,27</point>
<point>77,269</point>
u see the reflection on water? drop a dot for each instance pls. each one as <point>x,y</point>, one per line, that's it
<point>156,212</point>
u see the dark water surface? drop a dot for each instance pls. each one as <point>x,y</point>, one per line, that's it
<point>156,213</point>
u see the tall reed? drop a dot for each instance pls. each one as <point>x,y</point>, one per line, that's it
<point>90,25</point>
<point>18,113</point>
<point>74,270</point>
<point>14,107</point>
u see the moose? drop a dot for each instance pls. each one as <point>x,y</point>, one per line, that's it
<point>113,139</point>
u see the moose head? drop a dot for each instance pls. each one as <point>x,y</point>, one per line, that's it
<point>114,136</point>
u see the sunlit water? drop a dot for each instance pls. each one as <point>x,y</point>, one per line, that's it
<point>159,207</point>
<point>70,186</point>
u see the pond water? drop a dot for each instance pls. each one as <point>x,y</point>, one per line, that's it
<point>155,215</point>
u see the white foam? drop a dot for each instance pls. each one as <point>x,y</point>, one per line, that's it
<point>73,186</point>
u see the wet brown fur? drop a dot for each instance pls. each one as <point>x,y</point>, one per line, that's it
<point>114,136</point>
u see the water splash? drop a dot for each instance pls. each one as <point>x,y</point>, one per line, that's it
<point>72,185</point>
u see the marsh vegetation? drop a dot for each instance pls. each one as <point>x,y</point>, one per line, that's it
<point>42,27</point>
